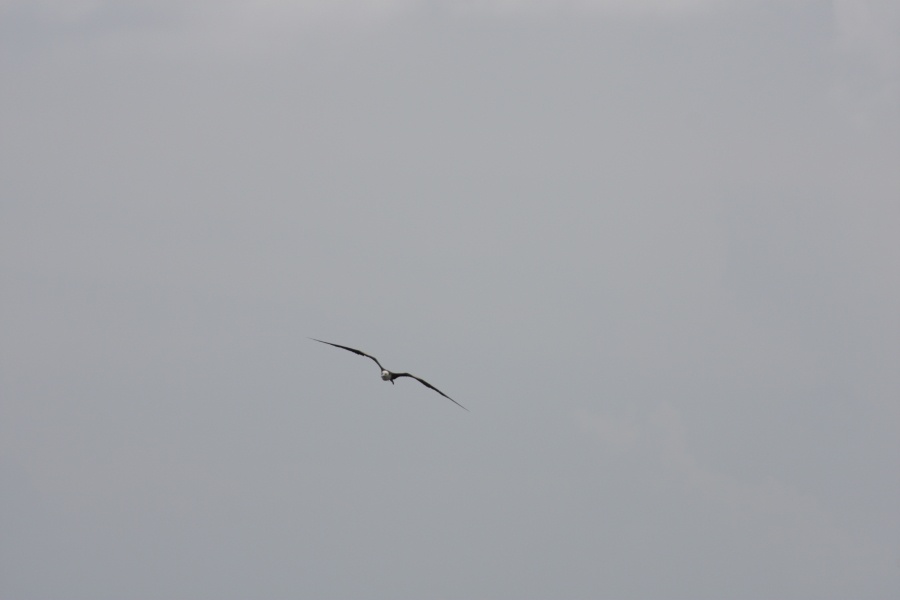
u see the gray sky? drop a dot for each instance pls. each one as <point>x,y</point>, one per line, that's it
<point>651,245</point>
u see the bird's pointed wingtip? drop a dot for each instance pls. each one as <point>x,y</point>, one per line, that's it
<point>453,401</point>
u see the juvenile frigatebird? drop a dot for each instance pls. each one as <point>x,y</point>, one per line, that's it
<point>390,375</point>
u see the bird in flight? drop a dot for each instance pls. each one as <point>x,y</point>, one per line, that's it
<point>390,375</point>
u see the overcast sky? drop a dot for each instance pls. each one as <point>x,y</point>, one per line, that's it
<point>650,244</point>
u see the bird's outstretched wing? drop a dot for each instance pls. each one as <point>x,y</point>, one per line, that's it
<point>426,384</point>
<point>354,350</point>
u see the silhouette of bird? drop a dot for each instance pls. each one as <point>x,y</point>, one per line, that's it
<point>390,375</point>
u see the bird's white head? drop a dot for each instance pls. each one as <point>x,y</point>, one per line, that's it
<point>385,374</point>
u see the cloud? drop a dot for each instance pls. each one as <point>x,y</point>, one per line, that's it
<point>660,7</point>
<point>866,30</point>
<point>795,527</point>
<point>53,9</point>
<point>278,14</point>
<point>870,29</point>
<point>66,9</point>
<point>616,434</point>
<point>867,36</point>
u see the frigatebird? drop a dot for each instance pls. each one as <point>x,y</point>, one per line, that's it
<point>390,375</point>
